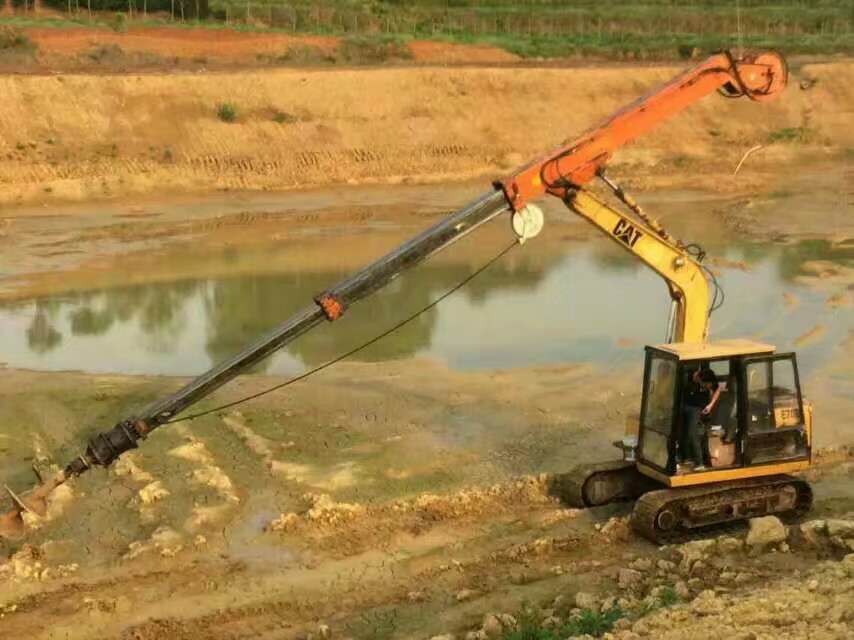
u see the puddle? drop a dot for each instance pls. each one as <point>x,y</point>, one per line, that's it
<point>581,303</point>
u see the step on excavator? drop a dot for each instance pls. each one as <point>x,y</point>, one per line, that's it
<point>759,432</point>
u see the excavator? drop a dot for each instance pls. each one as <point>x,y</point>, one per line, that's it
<point>757,437</point>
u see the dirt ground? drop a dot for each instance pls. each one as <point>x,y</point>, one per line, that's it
<point>399,499</point>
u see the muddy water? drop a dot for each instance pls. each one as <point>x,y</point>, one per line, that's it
<point>583,302</point>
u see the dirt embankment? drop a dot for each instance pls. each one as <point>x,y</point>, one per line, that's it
<point>99,49</point>
<point>79,137</point>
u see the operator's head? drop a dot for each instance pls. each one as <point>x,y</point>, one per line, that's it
<point>697,373</point>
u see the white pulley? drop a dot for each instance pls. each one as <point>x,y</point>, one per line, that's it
<point>527,222</point>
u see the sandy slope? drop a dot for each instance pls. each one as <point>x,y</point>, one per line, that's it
<point>78,136</point>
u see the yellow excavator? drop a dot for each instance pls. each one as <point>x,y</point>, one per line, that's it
<point>760,430</point>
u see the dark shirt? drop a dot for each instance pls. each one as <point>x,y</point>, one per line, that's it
<point>699,395</point>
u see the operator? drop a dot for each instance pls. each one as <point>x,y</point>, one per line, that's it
<point>701,398</point>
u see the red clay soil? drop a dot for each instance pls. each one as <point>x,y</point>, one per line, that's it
<point>225,45</point>
<point>165,41</point>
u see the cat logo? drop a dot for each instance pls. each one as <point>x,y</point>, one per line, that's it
<point>627,233</point>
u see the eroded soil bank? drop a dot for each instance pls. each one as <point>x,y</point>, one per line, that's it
<point>79,137</point>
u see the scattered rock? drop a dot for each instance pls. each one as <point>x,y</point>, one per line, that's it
<point>666,566</point>
<point>765,532</point>
<point>492,626</point>
<point>641,564</point>
<point>707,603</point>
<point>616,529</point>
<point>465,594</point>
<point>841,528</point>
<point>728,544</point>
<point>152,492</point>
<point>629,578</point>
<point>585,600</point>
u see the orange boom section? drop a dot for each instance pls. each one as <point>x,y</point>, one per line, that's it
<point>758,76</point>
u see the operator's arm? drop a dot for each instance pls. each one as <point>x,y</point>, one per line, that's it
<point>715,397</point>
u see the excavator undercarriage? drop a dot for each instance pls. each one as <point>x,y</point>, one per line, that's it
<point>666,515</point>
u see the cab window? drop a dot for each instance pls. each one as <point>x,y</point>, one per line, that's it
<point>659,398</point>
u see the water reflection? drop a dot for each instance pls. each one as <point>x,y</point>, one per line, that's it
<point>586,304</point>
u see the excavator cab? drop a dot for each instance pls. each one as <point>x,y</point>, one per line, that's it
<point>759,426</point>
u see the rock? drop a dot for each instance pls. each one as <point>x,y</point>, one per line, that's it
<point>784,547</point>
<point>814,532</point>
<point>841,528</point>
<point>812,585</point>
<point>682,590</point>
<point>323,631</point>
<point>153,492</point>
<point>616,529</point>
<point>586,601</point>
<point>729,544</point>
<point>444,636</point>
<point>551,622</point>
<point>707,603</point>
<point>492,626</point>
<point>415,596</point>
<point>765,531</point>
<point>629,578</point>
<point>666,566</point>
<point>476,635</point>
<point>691,552</point>
<point>507,620</point>
<point>465,594</point>
<point>641,564</point>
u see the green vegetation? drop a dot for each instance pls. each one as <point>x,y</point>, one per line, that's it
<point>543,28</point>
<point>282,117</point>
<point>624,29</point>
<point>226,112</point>
<point>372,49</point>
<point>791,134</point>
<point>588,622</point>
<point>14,41</point>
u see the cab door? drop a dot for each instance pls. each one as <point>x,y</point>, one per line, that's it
<point>772,411</point>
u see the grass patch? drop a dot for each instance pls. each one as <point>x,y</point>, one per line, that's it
<point>16,42</point>
<point>282,117</point>
<point>372,50</point>
<point>791,135</point>
<point>587,622</point>
<point>226,112</point>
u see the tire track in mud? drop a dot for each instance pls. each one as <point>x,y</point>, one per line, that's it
<point>223,168</point>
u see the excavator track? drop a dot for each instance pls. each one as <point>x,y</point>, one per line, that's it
<point>669,515</point>
<point>594,485</point>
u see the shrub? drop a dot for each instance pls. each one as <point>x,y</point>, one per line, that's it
<point>790,134</point>
<point>13,40</point>
<point>226,112</point>
<point>587,622</point>
<point>284,118</point>
<point>372,50</point>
